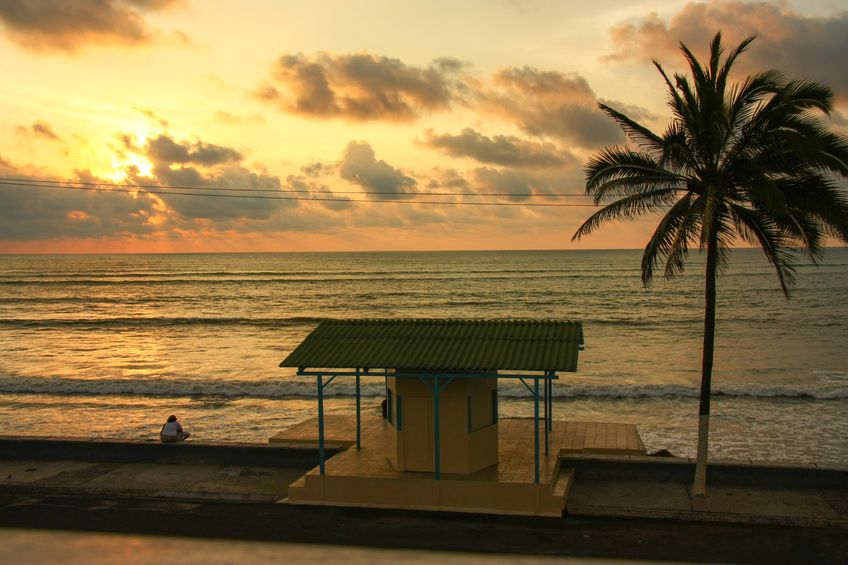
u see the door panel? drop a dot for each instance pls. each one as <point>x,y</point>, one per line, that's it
<point>417,433</point>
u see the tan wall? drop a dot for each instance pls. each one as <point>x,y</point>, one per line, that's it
<point>393,453</point>
<point>413,448</point>
<point>483,441</point>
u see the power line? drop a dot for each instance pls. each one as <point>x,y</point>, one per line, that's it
<point>65,184</point>
<point>129,189</point>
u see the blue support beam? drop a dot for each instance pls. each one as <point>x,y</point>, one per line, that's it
<point>547,442</point>
<point>358,417</point>
<point>551,402</point>
<point>536,426</point>
<point>320,423</point>
<point>438,446</point>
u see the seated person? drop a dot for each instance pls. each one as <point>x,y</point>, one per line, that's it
<point>172,431</point>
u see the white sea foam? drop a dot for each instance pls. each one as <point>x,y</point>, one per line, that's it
<point>370,387</point>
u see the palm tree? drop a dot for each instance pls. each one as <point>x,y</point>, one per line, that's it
<point>745,162</point>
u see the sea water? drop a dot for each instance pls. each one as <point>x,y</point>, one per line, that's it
<point>110,345</point>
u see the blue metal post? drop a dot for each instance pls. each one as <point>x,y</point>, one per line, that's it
<point>551,403</point>
<point>358,419</point>
<point>536,424</point>
<point>546,414</point>
<point>320,423</point>
<point>437,441</point>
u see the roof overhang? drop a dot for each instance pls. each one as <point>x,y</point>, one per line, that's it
<point>425,347</point>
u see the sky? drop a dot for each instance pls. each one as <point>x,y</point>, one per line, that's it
<point>317,105</point>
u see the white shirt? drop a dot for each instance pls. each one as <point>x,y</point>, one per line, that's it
<point>172,429</point>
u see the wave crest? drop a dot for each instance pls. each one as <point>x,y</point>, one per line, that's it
<point>371,387</point>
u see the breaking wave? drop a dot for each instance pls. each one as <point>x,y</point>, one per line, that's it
<point>370,387</point>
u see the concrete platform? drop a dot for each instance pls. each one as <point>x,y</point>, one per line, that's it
<point>364,477</point>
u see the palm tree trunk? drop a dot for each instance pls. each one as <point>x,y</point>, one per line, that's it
<point>699,486</point>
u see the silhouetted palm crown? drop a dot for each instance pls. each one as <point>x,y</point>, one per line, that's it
<point>750,160</point>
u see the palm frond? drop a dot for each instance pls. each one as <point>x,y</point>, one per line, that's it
<point>614,169</point>
<point>724,73</point>
<point>758,228</point>
<point>626,208</point>
<point>635,131</point>
<point>667,232</point>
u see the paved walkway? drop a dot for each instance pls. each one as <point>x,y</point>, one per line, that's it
<point>726,504</point>
<point>146,480</point>
<point>737,491</point>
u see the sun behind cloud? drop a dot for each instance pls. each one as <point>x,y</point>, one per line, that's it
<point>130,162</point>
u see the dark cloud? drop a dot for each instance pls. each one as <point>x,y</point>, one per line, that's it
<point>519,185</point>
<point>67,25</point>
<point>38,129</point>
<point>28,213</point>
<point>448,178</point>
<point>307,188</point>
<point>360,166</point>
<point>361,86</point>
<point>163,149</point>
<point>801,46</point>
<point>549,103</point>
<point>516,184</point>
<point>497,150</point>
<point>228,205</point>
<point>317,169</point>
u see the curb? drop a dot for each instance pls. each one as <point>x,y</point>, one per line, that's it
<point>140,494</point>
<point>586,511</point>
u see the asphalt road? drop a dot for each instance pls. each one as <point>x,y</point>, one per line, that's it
<point>577,537</point>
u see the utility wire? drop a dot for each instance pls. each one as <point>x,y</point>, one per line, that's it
<point>130,189</point>
<point>303,191</point>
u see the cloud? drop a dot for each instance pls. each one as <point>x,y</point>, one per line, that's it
<point>516,185</point>
<point>224,205</point>
<point>361,86</point>
<point>801,46</point>
<point>153,116</point>
<point>550,103</point>
<point>497,150</point>
<point>163,149</point>
<point>307,188</point>
<point>360,166</point>
<point>317,169</point>
<point>38,129</point>
<point>238,119</point>
<point>448,178</point>
<point>28,213</point>
<point>45,25</point>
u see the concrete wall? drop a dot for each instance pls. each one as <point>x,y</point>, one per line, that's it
<point>743,473</point>
<point>116,451</point>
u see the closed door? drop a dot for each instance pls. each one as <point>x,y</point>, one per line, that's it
<point>417,433</point>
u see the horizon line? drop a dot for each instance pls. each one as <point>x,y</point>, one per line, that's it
<point>357,251</point>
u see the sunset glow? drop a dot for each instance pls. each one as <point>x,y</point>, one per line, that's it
<point>278,117</point>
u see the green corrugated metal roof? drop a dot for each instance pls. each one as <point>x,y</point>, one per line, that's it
<point>441,345</point>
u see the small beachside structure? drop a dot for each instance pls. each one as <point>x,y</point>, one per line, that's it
<point>442,444</point>
<point>441,380</point>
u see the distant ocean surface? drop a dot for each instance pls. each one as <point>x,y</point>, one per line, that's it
<point>110,345</point>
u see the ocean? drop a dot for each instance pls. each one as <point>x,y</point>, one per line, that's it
<point>108,346</point>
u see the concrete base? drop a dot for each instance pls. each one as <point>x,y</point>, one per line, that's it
<point>365,478</point>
